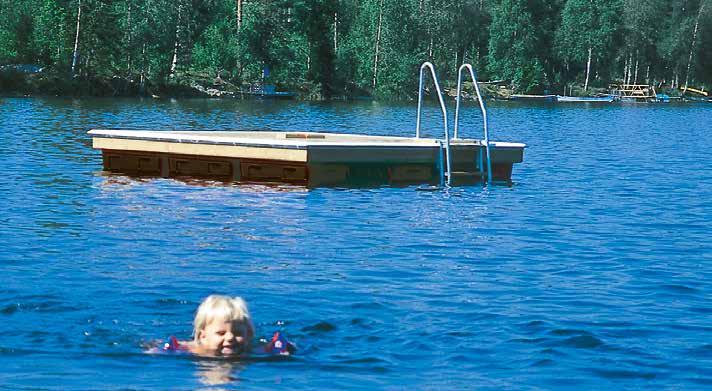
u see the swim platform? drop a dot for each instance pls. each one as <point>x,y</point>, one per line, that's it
<point>305,158</point>
<point>313,158</point>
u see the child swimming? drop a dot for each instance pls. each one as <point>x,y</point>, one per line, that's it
<point>222,328</point>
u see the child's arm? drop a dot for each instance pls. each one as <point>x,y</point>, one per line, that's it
<point>174,345</point>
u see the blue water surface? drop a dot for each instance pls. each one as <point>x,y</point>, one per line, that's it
<point>592,270</point>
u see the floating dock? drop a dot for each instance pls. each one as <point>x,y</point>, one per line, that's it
<point>315,159</point>
<point>303,158</point>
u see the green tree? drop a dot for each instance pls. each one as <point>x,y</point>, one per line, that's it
<point>50,34</point>
<point>512,46</point>
<point>356,54</point>
<point>469,29</point>
<point>271,43</point>
<point>357,47</point>
<point>641,33</point>
<point>215,49</point>
<point>546,18</point>
<point>17,28</point>
<point>587,32</point>
<point>8,50</point>
<point>695,39</point>
<point>315,18</point>
<point>703,71</point>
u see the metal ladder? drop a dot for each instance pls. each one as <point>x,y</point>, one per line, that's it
<point>445,171</point>
<point>484,118</point>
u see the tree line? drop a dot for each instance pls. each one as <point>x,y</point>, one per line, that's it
<point>365,47</point>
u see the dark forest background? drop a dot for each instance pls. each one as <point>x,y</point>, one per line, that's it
<point>337,48</point>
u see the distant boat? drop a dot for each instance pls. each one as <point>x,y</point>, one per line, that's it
<point>267,91</point>
<point>695,90</point>
<point>664,98</point>
<point>272,95</point>
<point>607,98</point>
<point>547,98</point>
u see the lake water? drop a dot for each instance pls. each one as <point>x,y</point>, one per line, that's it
<point>593,270</point>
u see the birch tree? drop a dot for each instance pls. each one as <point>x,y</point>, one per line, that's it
<point>641,27</point>
<point>75,52</point>
<point>586,33</point>
<point>703,72</point>
<point>238,14</point>
<point>693,44</point>
<point>675,44</point>
<point>377,45</point>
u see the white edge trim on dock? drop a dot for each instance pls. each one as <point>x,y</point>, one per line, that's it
<point>232,151</point>
<point>324,147</point>
<point>241,138</point>
<point>252,139</point>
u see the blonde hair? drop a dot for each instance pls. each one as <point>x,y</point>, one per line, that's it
<point>223,308</point>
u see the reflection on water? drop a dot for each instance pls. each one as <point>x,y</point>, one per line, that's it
<point>218,372</point>
<point>112,179</point>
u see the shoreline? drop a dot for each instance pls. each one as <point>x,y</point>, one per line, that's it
<point>190,85</point>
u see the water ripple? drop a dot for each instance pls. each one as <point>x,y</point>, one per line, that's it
<point>592,270</point>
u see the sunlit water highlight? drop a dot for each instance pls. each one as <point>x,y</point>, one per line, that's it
<point>594,269</point>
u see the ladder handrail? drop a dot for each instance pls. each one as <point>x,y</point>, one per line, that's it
<point>442,107</point>
<point>482,107</point>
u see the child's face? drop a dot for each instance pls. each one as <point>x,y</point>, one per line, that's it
<point>223,338</point>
